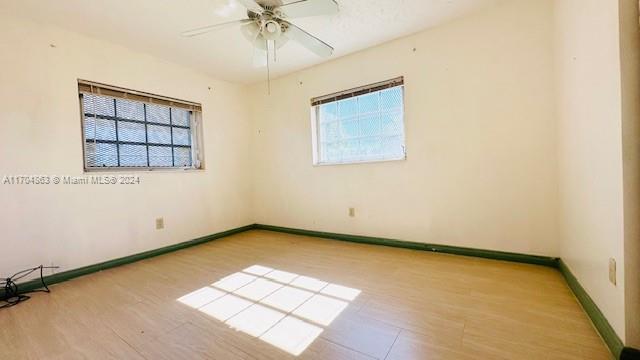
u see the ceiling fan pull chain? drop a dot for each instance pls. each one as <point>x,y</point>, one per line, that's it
<point>268,69</point>
<point>275,49</point>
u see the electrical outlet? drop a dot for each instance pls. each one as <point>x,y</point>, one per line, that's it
<point>352,212</point>
<point>159,223</point>
<point>612,271</point>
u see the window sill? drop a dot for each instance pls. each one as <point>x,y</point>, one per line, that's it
<point>320,164</point>
<point>140,170</point>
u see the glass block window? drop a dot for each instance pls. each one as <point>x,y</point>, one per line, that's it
<point>360,125</point>
<point>125,133</point>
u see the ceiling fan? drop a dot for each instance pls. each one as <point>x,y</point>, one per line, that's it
<point>268,28</point>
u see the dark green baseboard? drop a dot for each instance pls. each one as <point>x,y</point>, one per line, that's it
<point>74,273</point>
<point>602,325</point>
<point>597,317</point>
<point>488,254</point>
<point>600,322</point>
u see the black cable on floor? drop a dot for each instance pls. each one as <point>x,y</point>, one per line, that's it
<point>12,294</point>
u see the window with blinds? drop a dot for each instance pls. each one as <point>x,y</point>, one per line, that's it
<point>133,130</point>
<point>365,124</point>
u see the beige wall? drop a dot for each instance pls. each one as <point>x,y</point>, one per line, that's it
<point>590,149</point>
<point>481,168</point>
<point>40,133</point>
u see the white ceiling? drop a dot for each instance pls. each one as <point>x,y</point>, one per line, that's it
<point>154,27</point>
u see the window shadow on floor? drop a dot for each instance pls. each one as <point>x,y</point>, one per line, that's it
<point>286,310</point>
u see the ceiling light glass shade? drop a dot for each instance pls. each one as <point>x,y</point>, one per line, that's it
<point>252,33</point>
<point>271,30</point>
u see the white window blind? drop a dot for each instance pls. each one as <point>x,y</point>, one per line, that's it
<point>133,130</point>
<point>365,124</point>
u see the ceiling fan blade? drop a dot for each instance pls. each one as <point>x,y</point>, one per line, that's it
<point>251,31</point>
<point>304,8</point>
<point>206,29</point>
<point>252,6</point>
<point>307,40</point>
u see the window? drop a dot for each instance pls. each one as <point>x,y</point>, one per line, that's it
<point>126,129</point>
<point>360,125</point>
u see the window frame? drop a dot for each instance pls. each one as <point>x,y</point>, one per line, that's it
<point>195,130</point>
<point>342,95</point>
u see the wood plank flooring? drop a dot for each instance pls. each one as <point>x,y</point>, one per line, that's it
<point>409,305</point>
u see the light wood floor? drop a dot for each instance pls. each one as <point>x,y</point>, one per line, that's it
<point>411,305</point>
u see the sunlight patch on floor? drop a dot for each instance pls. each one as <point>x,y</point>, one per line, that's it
<point>281,308</point>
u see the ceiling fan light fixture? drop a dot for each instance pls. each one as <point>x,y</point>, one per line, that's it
<point>267,27</point>
<point>268,20</point>
<point>271,30</point>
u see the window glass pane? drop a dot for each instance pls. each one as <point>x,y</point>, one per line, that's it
<point>391,98</point>
<point>391,123</point>
<point>181,136</point>
<point>368,103</point>
<point>133,155</point>
<point>160,156</point>
<point>158,114</point>
<point>367,127</point>
<point>329,112</point>
<point>100,129</point>
<point>329,132</point>
<point>132,132</point>
<point>347,108</point>
<point>90,153</point>
<point>349,128</point>
<point>101,155</point>
<point>98,105</point>
<point>371,147</point>
<point>157,134</point>
<point>180,117</point>
<point>350,149</point>
<point>127,109</point>
<point>89,128</point>
<point>182,156</point>
<point>394,145</point>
